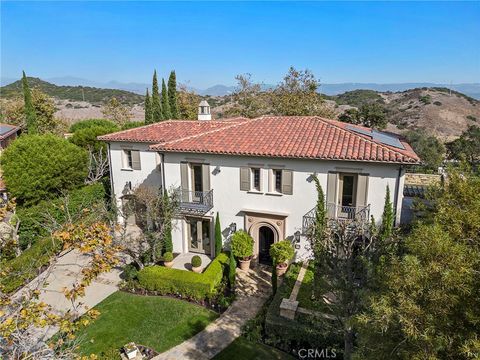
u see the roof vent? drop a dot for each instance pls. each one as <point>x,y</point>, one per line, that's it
<point>381,137</point>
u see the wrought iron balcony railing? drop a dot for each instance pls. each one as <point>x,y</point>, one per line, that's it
<point>195,202</point>
<point>339,213</point>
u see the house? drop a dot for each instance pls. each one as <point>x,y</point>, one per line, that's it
<point>257,174</point>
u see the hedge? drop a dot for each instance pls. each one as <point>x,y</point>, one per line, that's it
<point>31,218</point>
<point>26,266</point>
<point>85,124</point>
<point>184,283</point>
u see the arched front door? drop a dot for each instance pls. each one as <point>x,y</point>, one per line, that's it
<point>266,238</point>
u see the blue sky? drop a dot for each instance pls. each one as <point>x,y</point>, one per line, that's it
<point>209,43</point>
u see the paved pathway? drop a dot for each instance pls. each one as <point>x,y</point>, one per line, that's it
<point>253,288</point>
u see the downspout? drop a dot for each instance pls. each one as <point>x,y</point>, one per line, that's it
<point>397,197</point>
<point>111,174</point>
<point>162,169</point>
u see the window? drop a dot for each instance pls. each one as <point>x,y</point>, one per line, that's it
<point>277,180</point>
<point>128,159</point>
<point>131,159</point>
<point>256,179</point>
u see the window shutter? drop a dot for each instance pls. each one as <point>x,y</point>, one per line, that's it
<point>287,182</point>
<point>244,179</point>
<point>184,181</point>
<point>362,190</point>
<point>206,177</point>
<point>332,180</point>
<point>136,160</point>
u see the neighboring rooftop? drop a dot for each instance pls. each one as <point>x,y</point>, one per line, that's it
<point>6,130</point>
<point>308,137</point>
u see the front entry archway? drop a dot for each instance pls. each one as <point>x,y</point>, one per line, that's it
<point>266,237</point>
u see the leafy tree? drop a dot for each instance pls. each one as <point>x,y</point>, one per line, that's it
<point>30,114</point>
<point>87,138</point>
<point>297,95</point>
<point>427,306</point>
<point>187,103</point>
<point>370,114</point>
<point>118,113</point>
<point>42,166</point>
<point>165,102</point>
<point>248,98</point>
<point>467,146</point>
<point>172,94</point>
<point>44,111</point>
<point>83,124</point>
<point>218,236</point>
<point>388,217</point>
<point>148,109</point>
<point>156,104</point>
<point>429,148</point>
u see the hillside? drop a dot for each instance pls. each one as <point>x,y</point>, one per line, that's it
<point>92,95</point>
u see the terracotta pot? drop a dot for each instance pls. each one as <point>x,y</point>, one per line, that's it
<point>245,264</point>
<point>197,269</point>
<point>281,269</point>
<point>168,264</point>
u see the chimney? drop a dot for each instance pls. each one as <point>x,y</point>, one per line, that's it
<point>204,111</point>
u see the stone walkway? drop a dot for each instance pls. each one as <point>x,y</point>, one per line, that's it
<point>253,288</point>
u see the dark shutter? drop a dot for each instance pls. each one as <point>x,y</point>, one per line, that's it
<point>287,182</point>
<point>245,179</point>
<point>136,160</point>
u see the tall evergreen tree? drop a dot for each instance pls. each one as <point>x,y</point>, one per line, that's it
<point>218,236</point>
<point>29,109</point>
<point>156,105</point>
<point>165,105</point>
<point>388,217</point>
<point>148,109</point>
<point>172,94</point>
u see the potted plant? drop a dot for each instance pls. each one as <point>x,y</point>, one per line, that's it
<point>197,264</point>
<point>168,259</point>
<point>242,247</point>
<point>131,350</point>
<point>282,252</point>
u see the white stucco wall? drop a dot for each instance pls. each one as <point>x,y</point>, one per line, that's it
<point>229,201</point>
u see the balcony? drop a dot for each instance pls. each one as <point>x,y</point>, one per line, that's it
<point>339,213</point>
<point>195,202</point>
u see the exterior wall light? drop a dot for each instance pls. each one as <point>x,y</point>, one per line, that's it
<point>233,227</point>
<point>297,236</point>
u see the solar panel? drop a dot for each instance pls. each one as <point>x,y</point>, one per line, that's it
<point>381,137</point>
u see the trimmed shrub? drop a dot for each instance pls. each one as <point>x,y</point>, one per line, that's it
<point>167,240</point>
<point>168,256</point>
<point>85,124</point>
<point>38,167</point>
<point>281,252</point>
<point>183,283</point>
<point>218,236</point>
<point>196,261</point>
<point>242,244</point>
<point>31,218</point>
<point>26,266</point>
<point>130,272</point>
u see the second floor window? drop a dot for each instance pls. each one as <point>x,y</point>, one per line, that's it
<point>256,179</point>
<point>277,180</point>
<point>131,159</point>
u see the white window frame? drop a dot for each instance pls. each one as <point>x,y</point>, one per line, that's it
<point>127,161</point>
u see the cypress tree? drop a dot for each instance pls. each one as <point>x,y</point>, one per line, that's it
<point>165,105</point>
<point>172,94</point>
<point>218,236</point>
<point>148,109</point>
<point>317,234</point>
<point>29,109</point>
<point>387,217</point>
<point>156,105</point>
<point>232,268</point>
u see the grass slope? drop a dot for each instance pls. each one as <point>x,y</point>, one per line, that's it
<point>157,322</point>
<point>242,349</point>
<point>72,93</point>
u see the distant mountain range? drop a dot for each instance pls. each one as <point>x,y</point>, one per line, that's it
<point>472,89</point>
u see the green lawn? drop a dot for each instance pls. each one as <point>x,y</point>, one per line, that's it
<point>157,322</point>
<point>304,297</point>
<point>242,349</point>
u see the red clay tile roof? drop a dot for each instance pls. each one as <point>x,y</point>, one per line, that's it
<point>168,130</point>
<point>308,137</point>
